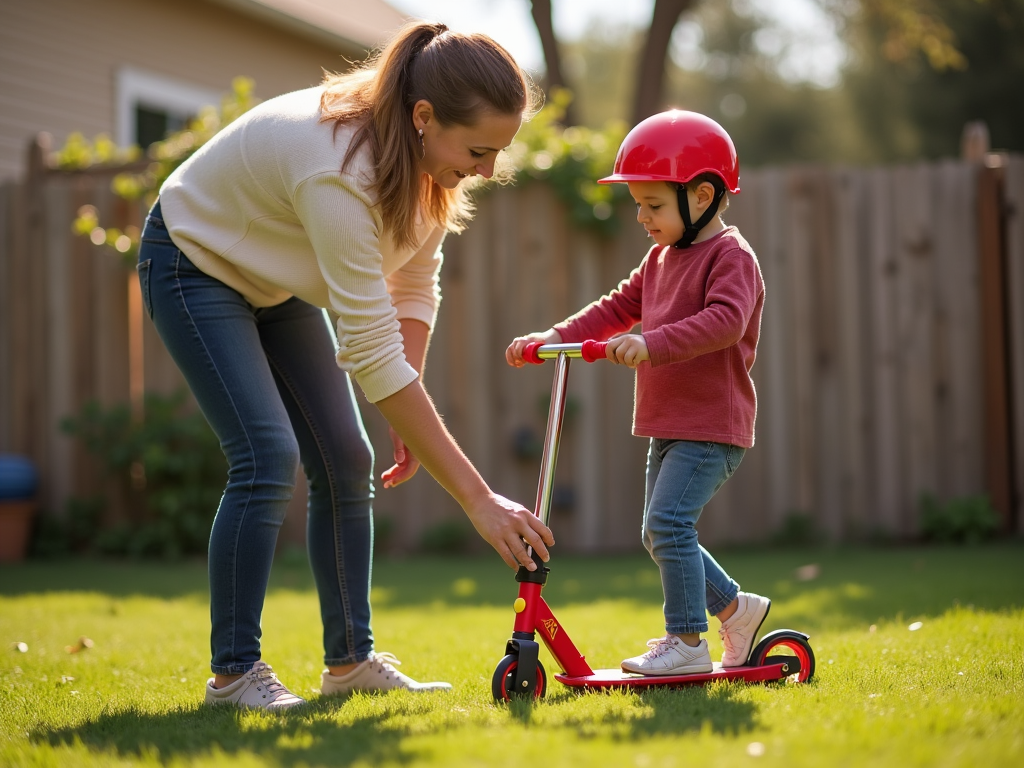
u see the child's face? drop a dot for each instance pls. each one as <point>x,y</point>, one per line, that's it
<point>657,208</point>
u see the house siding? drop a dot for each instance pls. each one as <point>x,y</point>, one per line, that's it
<point>59,61</point>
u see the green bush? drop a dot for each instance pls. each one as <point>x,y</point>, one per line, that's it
<point>571,160</point>
<point>449,537</point>
<point>170,462</point>
<point>798,529</point>
<point>968,519</point>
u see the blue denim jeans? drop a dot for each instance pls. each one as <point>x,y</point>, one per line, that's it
<point>267,381</point>
<point>682,476</point>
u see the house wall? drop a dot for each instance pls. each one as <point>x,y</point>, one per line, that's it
<point>59,61</point>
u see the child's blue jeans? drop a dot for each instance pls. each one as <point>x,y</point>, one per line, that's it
<point>267,381</point>
<point>682,476</point>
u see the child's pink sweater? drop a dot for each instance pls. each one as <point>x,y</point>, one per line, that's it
<point>701,314</point>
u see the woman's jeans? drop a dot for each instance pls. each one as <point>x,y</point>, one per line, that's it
<point>682,476</point>
<point>267,381</point>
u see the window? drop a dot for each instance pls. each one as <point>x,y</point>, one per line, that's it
<point>149,106</point>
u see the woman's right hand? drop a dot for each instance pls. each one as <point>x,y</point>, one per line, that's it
<point>514,353</point>
<point>505,525</point>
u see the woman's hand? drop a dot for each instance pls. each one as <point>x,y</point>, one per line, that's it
<point>630,350</point>
<point>405,463</point>
<point>514,353</point>
<point>504,525</point>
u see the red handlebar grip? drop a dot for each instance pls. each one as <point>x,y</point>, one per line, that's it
<point>592,351</point>
<point>530,352</point>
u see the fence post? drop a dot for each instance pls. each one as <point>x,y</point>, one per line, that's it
<point>991,221</point>
<point>34,436</point>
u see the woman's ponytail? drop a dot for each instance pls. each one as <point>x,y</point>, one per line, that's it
<point>460,75</point>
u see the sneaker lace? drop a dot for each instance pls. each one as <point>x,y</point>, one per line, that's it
<point>387,662</point>
<point>726,639</point>
<point>658,646</point>
<point>266,676</point>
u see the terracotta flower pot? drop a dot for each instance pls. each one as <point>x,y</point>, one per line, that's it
<point>15,526</point>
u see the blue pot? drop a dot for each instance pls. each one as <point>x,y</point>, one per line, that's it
<point>18,477</point>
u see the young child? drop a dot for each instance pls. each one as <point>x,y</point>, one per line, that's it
<point>698,294</point>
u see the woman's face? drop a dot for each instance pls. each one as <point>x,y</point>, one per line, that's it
<point>456,152</point>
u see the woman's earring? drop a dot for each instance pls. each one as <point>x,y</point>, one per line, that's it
<point>423,149</point>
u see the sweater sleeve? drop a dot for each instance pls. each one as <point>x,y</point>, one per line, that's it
<point>415,287</point>
<point>612,314</point>
<point>345,235</point>
<point>732,289</point>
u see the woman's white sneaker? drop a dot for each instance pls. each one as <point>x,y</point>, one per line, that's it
<point>740,630</point>
<point>671,656</point>
<point>258,688</point>
<point>377,673</point>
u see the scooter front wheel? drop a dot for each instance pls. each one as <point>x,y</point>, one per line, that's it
<point>503,682</point>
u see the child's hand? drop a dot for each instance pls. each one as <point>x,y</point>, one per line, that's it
<point>630,350</point>
<point>514,353</point>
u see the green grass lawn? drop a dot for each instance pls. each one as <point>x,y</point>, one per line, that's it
<point>949,693</point>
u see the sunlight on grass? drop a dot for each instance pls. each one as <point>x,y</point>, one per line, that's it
<point>920,662</point>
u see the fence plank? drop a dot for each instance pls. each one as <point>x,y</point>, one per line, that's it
<point>958,358</point>
<point>884,515</point>
<point>1014,211</point>
<point>849,350</point>
<point>772,372</point>
<point>916,254</point>
<point>829,440</point>
<point>801,327</point>
<point>590,432</point>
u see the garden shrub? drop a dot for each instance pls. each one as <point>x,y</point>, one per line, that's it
<point>967,519</point>
<point>169,461</point>
<point>449,537</point>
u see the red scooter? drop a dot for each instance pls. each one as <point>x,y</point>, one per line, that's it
<point>782,654</point>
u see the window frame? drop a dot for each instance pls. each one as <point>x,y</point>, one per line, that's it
<point>139,87</point>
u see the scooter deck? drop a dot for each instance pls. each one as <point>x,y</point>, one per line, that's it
<point>617,678</point>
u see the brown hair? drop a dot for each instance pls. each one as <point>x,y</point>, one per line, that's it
<point>460,75</point>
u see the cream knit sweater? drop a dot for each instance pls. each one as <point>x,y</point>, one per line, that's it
<point>264,208</point>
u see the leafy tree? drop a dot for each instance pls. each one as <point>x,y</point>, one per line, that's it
<point>916,72</point>
<point>914,103</point>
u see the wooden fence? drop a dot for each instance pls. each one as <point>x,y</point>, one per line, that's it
<point>891,360</point>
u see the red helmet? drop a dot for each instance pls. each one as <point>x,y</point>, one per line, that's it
<point>676,146</point>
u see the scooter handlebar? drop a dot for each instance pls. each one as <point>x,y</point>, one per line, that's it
<point>591,351</point>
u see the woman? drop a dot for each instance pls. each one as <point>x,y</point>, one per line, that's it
<point>335,197</point>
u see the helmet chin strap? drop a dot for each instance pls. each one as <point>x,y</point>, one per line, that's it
<point>691,230</point>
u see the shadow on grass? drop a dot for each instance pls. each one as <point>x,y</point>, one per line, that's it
<point>661,711</point>
<point>316,735</point>
<point>309,735</point>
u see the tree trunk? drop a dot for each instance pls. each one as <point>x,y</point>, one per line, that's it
<point>541,10</point>
<point>650,80</point>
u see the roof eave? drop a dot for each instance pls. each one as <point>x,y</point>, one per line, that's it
<point>346,45</point>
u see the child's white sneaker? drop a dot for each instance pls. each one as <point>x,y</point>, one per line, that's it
<point>671,656</point>
<point>377,673</point>
<point>258,688</point>
<point>739,632</point>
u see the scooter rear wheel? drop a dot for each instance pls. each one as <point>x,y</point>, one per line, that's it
<point>786,642</point>
<point>503,682</point>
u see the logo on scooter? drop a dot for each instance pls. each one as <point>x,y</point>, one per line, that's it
<point>551,626</point>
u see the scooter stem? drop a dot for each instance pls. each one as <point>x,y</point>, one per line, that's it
<point>549,455</point>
